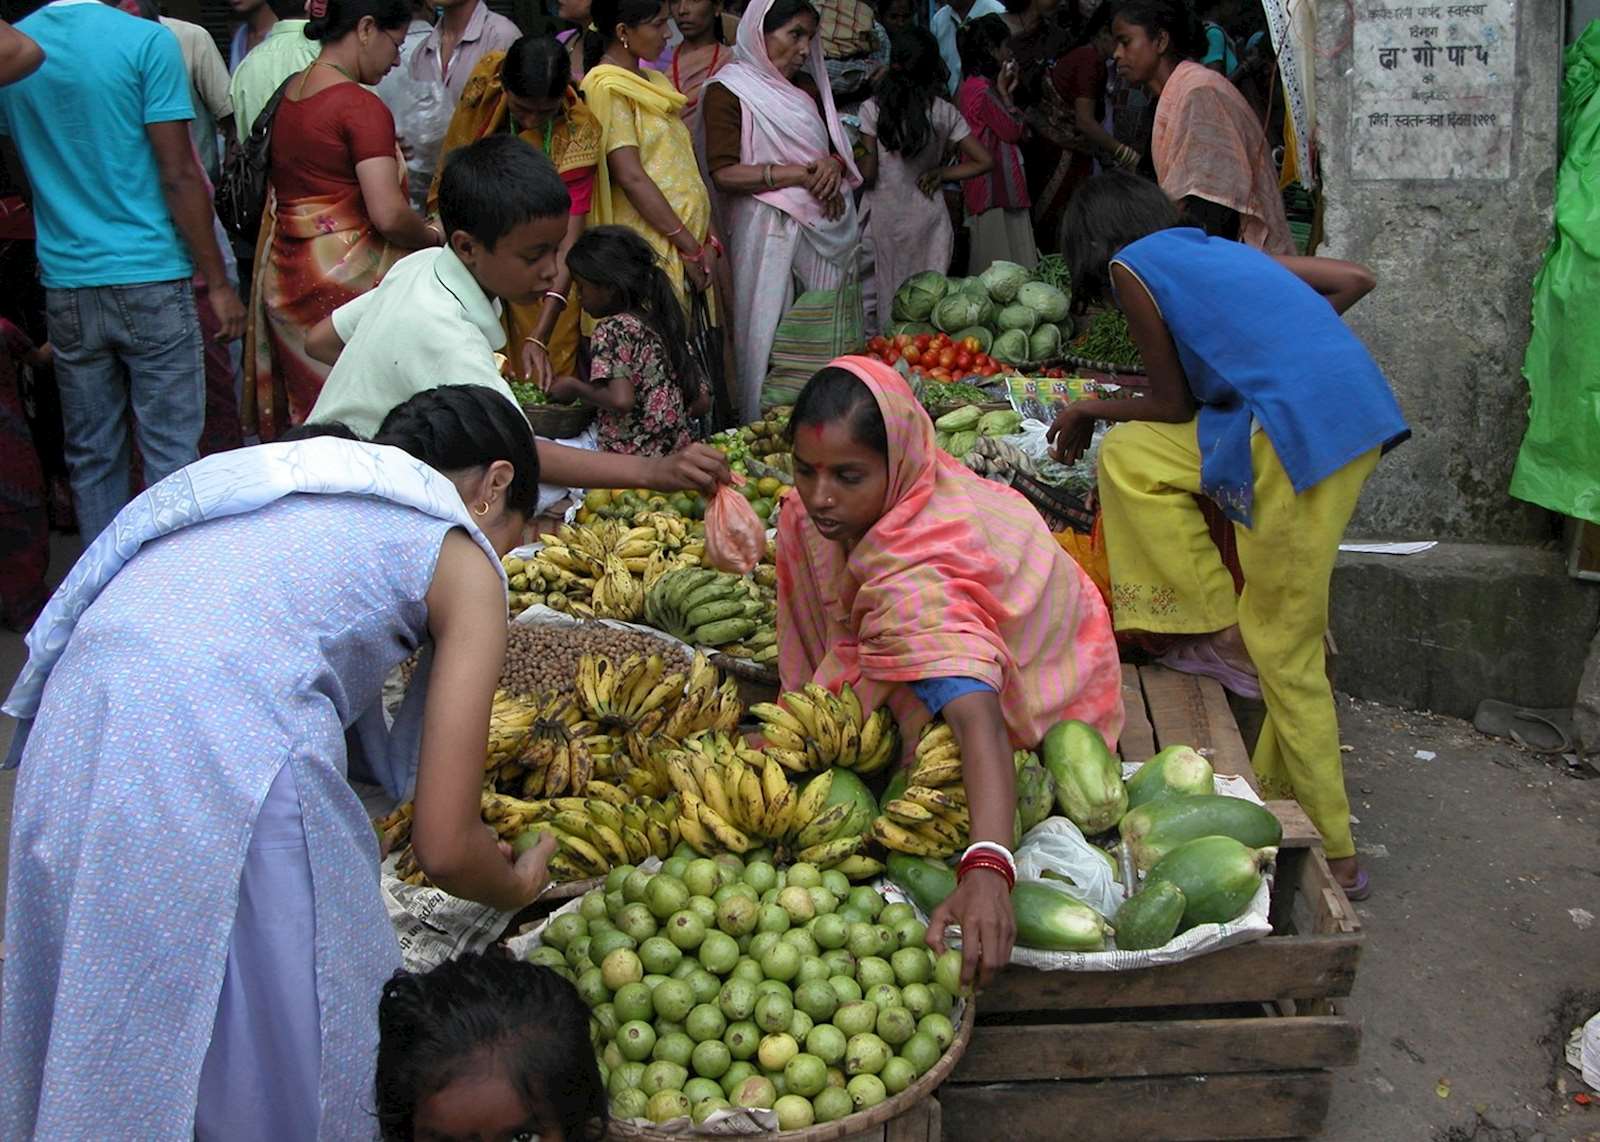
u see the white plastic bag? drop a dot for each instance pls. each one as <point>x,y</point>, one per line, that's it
<point>1056,847</point>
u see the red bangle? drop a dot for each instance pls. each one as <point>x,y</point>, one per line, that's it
<point>980,859</point>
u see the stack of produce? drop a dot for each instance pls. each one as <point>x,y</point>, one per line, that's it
<point>705,607</point>
<point>715,984</point>
<point>763,441</point>
<point>1202,855</point>
<point>736,799</point>
<point>959,432</point>
<point>1013,317</point>
<point>1107,340</point>
<point>634,701</point>
<point>543,659</point>
<point>814,728</point>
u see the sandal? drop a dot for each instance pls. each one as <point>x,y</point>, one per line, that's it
<point>1538,731</point>
<point>1200,657</point>
<point>1361,889</point>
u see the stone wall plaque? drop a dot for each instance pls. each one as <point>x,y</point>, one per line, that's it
<point>1435,89</point>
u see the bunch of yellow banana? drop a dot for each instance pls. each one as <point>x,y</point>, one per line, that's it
<point>632,696</point>
<point>511,719</point>
<point>930,818</point>
<point>617,594</point>
<point>813,728</point>
<point>594,834</point>
<point>707,704</point>
<point>735,799</point>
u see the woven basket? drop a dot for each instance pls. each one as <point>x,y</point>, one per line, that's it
<point>756,683</point>
<point>558,421</point>
<point>1062,510</point>
<point>851,1124</point>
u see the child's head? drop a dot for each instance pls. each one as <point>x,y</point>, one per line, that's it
<point>505,212</point>
<point>536,74</point>
<point>841,454</point>
<point>1107,213</point>
<point>1148,32</point>
<point>915,78</point>
<point>617,272</point>
<point>897,15</point>
<point>485,1047</point>
<point>1097,29</point>
<point>983,46</point>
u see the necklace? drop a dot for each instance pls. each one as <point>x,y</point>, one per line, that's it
<point>716,53</point>
<point>336,67</point>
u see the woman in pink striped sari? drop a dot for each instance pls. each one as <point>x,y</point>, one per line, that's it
<point>936,592</point>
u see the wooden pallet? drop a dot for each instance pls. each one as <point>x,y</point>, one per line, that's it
<point>1236,1044</point>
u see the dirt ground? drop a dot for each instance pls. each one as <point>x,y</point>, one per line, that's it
<point>1483,930</point>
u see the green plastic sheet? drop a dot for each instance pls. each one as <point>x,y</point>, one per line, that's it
<point>1559,464</point>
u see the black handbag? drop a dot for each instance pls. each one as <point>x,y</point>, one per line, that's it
<point>241,191</point>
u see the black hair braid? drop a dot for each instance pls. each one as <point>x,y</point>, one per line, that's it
<point>914,79</point>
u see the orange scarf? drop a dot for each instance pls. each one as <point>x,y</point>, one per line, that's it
<point>958,578</point>
<point>1207,142</point>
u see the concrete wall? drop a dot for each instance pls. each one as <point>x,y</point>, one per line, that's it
<point>1449,322</point>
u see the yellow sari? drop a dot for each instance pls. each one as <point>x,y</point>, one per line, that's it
<point>645,111</point>
<point>573,145</point>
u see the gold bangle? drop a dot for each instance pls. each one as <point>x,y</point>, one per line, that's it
<point>534,340</point>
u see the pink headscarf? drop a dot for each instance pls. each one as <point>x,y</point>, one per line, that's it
<point>780,123</point>
<point>958,578</point>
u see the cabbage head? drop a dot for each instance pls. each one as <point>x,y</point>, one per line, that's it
<point>1003,280</point>
<point>917,296</point>
<point>1011,347</point>
<point>1045,300</point>
<point>1044,342</point>
<point>959,310</point>
<point>1016,317</point>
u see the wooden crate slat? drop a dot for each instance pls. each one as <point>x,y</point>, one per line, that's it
<point>1138,741</point>
<point>1286,967</point>
<point>1192,1108</point>
<point>1331,909</point>
<point>919,1124</point>
<point>1189,710</point>
<point>1157,1047</point>
<point>1298,831</point>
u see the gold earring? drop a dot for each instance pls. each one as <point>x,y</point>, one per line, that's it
<point>481,510</point>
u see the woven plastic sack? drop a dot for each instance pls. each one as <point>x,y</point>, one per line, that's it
<point>736,539</point>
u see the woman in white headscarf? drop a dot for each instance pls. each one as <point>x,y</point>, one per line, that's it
<point>779,155</point>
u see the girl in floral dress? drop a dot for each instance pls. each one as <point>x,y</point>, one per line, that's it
<point>642,376</point>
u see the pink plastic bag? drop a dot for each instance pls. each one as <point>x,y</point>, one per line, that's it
<point>736,539</point>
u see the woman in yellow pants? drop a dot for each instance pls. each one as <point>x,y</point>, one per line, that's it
<point>1261,399</point>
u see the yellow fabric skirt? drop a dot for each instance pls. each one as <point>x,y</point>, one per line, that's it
<point>1167,577</point>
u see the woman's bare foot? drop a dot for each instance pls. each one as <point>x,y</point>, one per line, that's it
<point>1347,871</point>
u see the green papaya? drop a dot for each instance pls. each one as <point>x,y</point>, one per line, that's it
<point>1176,771</point>
<point>1150,917</point>
<point>1157,827</point>
<point>897,787</point>
<point>1218,877</point>
<point>1035,790</point>
<point>1047,920</point>
<point>1089,789</point>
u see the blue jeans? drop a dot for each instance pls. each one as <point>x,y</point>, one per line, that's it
<point>113,344</point>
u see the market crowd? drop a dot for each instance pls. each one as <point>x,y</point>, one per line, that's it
<point>438,225</point>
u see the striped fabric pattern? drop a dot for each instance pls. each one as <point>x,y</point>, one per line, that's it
<point>959,577</point>
<point>812,333</point>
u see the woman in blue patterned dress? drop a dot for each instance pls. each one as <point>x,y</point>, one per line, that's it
<point>196,941</point>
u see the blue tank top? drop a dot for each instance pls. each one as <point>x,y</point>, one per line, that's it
<point>1260,346</point>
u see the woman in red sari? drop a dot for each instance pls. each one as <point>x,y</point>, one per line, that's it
<point>338,217</point>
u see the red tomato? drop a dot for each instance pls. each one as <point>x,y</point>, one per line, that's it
<point>913,357</point>
<point>988,369</point>
<point>891,356</point>
<point>971,344</point>
<point>902,340</point>
<point>922,341</point>
<point>963,359</point>
<point>947,358</point>
<point>876,345</point>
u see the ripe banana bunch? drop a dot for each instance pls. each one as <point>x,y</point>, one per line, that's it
<point>706,703</point>
<point>634,696</point>
<point>617,594</point>
<point>511,719</point>
<point>813,728</point>
<point>594,834</point>
<point>525,586</point>
<point>931,817</point>
<point>705,607</point>
<point>736,799</point>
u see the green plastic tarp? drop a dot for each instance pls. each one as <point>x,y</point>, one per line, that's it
<point>1559,464</point>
